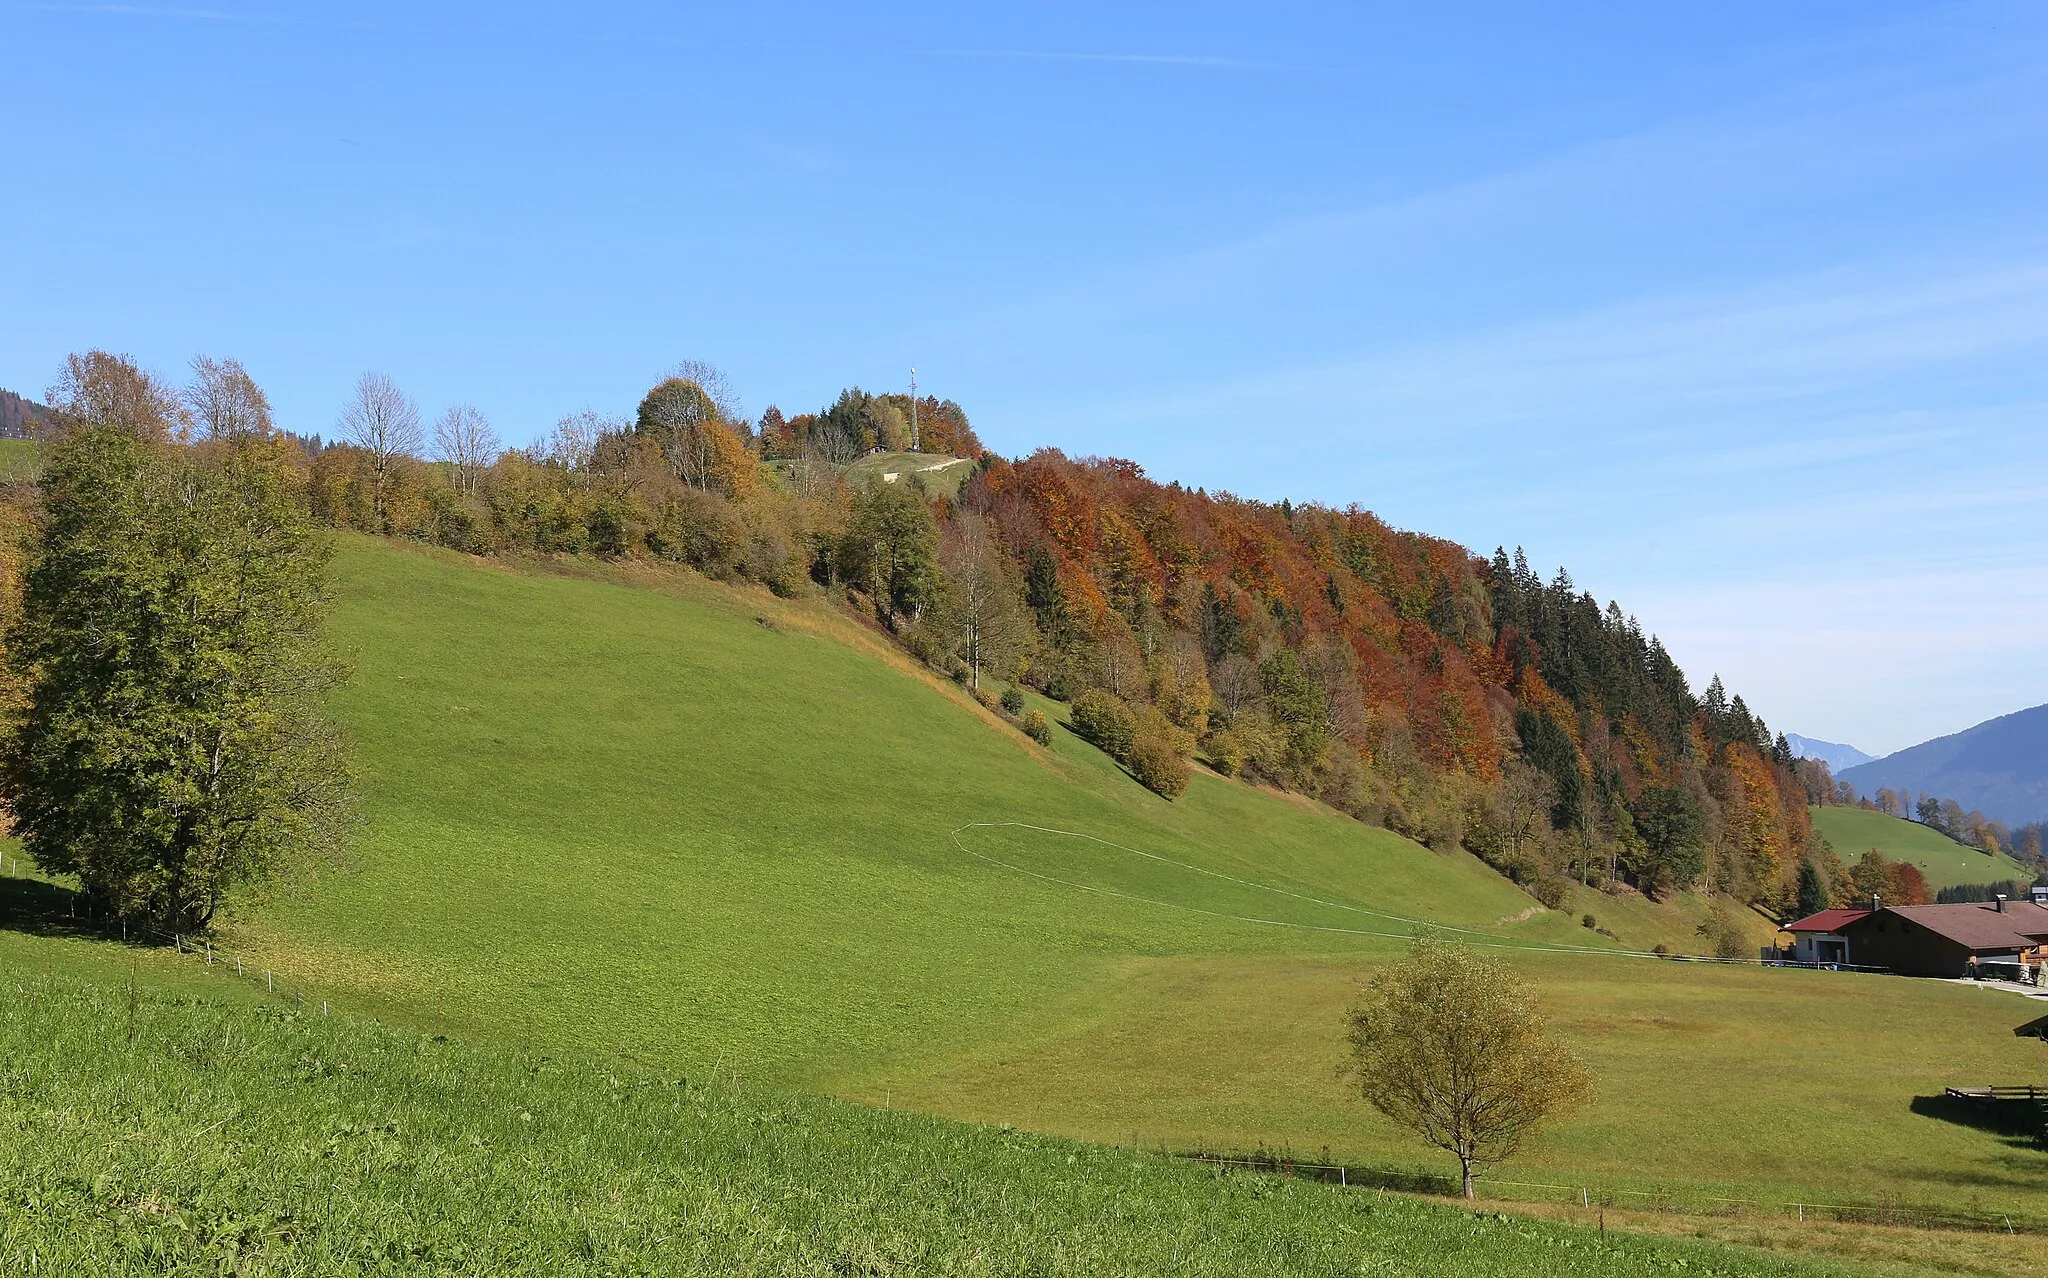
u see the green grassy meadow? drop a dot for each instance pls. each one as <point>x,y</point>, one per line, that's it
<point>627,815</point>
<point>1945,862</point>
<point>143,1130</point>
<point>21,461</point>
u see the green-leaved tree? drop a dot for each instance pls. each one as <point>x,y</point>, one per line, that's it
<point>1451,1046</point>
<point>167,743</point>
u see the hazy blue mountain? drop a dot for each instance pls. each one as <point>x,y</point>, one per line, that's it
<point>1999,768</point>
<point>1836,755</point>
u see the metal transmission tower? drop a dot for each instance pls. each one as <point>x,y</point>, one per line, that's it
<point>913,410</point>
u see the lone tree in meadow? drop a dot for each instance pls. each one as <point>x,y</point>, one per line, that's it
<point>1451,1046</point>
<point>164,738</point>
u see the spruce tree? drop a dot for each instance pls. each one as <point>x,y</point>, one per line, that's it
<point>1813,893</point>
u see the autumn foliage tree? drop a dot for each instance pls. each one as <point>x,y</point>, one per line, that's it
<point>1461,701</point>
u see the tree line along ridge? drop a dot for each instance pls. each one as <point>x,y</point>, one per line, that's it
<point>1457,699</point>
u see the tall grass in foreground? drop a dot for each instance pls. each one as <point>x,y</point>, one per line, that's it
<point>143,1133</point>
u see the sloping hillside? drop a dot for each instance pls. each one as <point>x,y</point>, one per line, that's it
<point>1945,862</point>
<point>1999,768</point>
<point>20,418</point>
<point>712,831</point>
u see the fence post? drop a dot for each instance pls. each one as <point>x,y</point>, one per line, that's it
<point>269,985</point>
<point>238,965</point>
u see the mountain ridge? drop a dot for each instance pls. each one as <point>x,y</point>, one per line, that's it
<point>1998,767</point>
<point>1833,753</point>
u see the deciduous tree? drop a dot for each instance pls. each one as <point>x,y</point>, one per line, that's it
<point>464,439</point>
<point>95,388</point>
<point>1451,1046</point>
<point>383,421</point>
<point>890,551</point>
<point>170,745</point>
<point>225,402</point>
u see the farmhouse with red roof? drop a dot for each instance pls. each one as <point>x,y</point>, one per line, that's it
<point>1927,940</point>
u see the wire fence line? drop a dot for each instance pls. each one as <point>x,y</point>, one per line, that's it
<point>1677,1202</point>
<point>200,948</point>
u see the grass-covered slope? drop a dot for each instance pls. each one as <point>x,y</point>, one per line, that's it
<point>699,831</point>
<point>938,473</point>
<point>1945,862</point>
<point>706,830</point>
<point>157,1133</point>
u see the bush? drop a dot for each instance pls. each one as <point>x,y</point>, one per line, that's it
<point>1013,700</point>
<point>1104,722</point>
<point>1037,728</point>
<point>1225,753</point>
<point>1590,922</point>
<point>985,698</point>
<point>1159,767</point>
<point>1723,932</point>
<point>1552,890</point>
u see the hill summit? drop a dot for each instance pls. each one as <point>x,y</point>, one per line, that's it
<point>1833,753</point>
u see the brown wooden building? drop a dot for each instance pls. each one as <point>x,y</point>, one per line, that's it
<point>1927,940</point>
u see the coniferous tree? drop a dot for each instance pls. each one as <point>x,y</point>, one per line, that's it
<point>1813,893</point>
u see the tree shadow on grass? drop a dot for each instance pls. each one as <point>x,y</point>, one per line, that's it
<point>2019,1124</point>
<point>45,909</point>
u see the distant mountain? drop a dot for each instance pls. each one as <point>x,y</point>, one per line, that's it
<point>1834,754</point>
<point>1999,768</point>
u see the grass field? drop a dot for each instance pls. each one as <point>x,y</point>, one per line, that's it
<point>21,460</point>
<point>941,474</point>
<point>633,815</point>
<point>1945,862</point>
<point>154,1132</point>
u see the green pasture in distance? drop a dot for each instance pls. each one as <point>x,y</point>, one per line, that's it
<point>1945,862</point>
<point>639,816</point>
<point>21,461</point>
<point>161,1133</point>
<point>940,473</point>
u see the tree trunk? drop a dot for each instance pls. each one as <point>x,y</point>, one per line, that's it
<point>1465,1169</point>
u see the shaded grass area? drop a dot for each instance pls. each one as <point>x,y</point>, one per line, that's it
<point>637,815</point>
<point>151,1132</point>
<point>1945,862</point>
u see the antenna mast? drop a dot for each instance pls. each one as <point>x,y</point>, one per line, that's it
<point>913,410</point>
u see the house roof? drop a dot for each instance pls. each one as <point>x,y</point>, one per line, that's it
<point>2037,1028</point>
<point>1981,926</point>
<point>1827,921</point>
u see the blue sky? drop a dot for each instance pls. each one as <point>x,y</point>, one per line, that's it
<point>1740,311</point>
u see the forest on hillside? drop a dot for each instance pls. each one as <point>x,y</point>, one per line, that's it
<point>1459,699</point>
